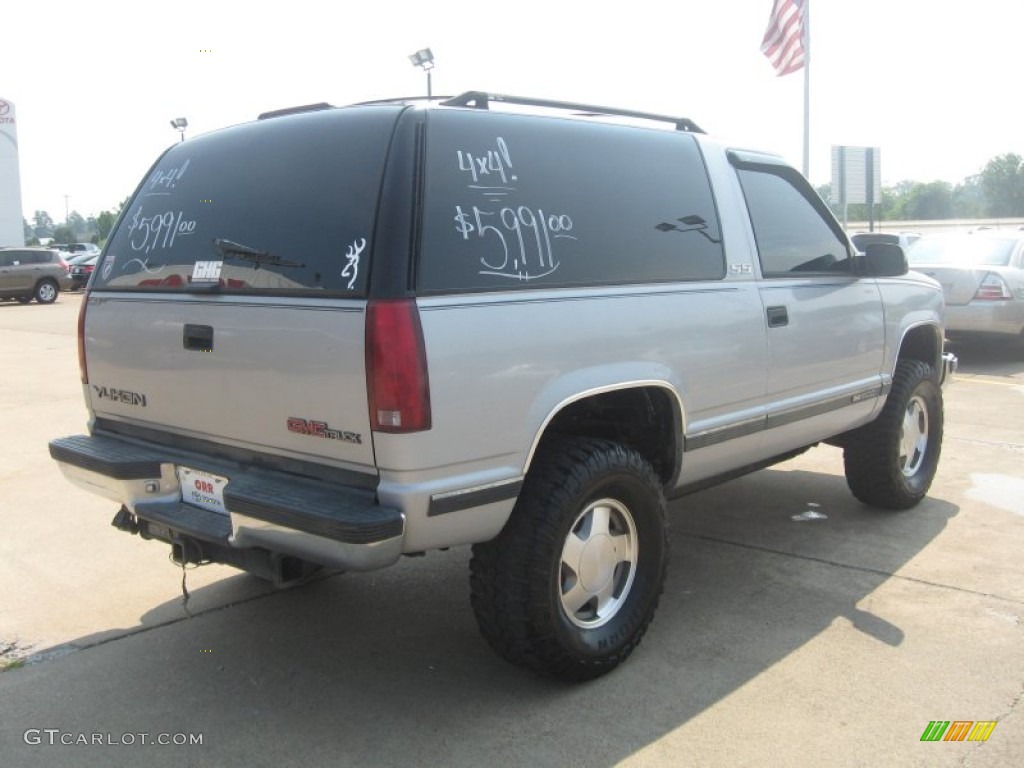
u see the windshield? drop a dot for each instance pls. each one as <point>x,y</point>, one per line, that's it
<point>962,249</point>
<point>279,206</point>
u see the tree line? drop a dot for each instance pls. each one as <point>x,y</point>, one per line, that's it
<point>996,192</point>
<point>76,229</point>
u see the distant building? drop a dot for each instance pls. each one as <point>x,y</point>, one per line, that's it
<point>12,229</point>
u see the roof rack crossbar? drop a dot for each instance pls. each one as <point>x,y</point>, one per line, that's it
<point>481,100</point>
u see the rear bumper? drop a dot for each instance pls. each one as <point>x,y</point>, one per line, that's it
<point>331,524</point>
<point>1004,318</point>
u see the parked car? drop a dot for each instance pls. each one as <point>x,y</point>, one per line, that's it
<point>81,269</point>
<point>518,328</point>
<point>89,249</point>
<point>861,240</point>
<point>982,277</point>
<point>32,272</point>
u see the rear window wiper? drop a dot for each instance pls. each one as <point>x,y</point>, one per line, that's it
<point>232,250</point>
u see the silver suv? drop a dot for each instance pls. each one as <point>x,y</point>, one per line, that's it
<point>33,273</point>
<point>335,336</point>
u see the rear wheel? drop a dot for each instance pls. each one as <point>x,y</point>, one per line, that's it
<point>571,584</point>
<point>46,292</point>
<point>890,463</point>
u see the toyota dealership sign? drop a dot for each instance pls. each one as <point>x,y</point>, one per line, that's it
<point>12,231</point>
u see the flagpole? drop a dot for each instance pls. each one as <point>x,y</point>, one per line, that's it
<point>807,87</point>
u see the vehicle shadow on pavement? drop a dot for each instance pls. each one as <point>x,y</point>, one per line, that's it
<point>387,668</point>
<point>990,358</point>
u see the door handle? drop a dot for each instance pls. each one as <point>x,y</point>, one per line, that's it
<point>777,317</point>
<point>198,337</point>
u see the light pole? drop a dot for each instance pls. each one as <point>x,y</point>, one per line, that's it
<point>425,59</point>
<point>180,124</point>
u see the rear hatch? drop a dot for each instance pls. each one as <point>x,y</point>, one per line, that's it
<point>230,303</point>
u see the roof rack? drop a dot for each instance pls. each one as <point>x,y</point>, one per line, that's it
<point>295,110</point>
<point>481,100</point>
<point>399,100</point>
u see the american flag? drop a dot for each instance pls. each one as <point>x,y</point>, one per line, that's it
<point>783,42</point>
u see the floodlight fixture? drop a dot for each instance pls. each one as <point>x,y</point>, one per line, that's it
<point>180,124</point>
<point>425,59</point>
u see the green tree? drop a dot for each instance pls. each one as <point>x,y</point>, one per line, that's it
<point>27,229</point>
<point>62,234</point>
<point>44,224</point>
<point>1002,182</point>
<point>925,201</point>
<point>105,223</point>
<point>76,223</point>
<point>969,199</point>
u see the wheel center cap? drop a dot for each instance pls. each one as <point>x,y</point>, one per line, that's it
<point>597,564</point>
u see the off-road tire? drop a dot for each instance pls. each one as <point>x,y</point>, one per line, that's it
<point>890,463</point>
<point>519,579</point>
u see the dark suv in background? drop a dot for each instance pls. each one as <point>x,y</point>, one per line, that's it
<point>27,273</point>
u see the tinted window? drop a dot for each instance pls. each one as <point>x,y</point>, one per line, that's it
<point>792,236</point>
<point>514,201</point>
<point>279,206</point>
<point>25,257</point>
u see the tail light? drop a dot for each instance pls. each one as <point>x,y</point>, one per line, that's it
<point>82,367</point>
<point>396,367</point>
<point>992,288</point>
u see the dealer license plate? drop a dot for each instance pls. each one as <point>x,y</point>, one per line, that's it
<point>202,489</point>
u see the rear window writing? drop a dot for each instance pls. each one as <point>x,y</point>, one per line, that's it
<point>279,206</point>
<point>523,202</point>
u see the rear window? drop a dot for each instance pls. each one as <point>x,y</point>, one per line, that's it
<point>516,201</point>
<point>281,206</point>
<point>965,249</point>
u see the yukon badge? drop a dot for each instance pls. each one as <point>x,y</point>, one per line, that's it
<point>120,395</point>
<point>320,429</point>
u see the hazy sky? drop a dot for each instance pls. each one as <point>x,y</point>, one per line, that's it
<point>934,83</point>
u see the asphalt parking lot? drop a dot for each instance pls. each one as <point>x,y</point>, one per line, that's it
<point>782,639</point>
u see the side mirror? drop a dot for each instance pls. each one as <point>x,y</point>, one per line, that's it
<point>884,260</point>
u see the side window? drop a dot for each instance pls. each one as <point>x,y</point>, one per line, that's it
<point>6,259</point>
<point>792,236</point>
<point>516,202</point>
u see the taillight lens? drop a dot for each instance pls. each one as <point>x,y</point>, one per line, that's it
<point>396,367</point>
<point>82,367</point>
<point>993,288</point>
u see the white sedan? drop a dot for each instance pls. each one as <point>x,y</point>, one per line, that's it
<point>982,277</point>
